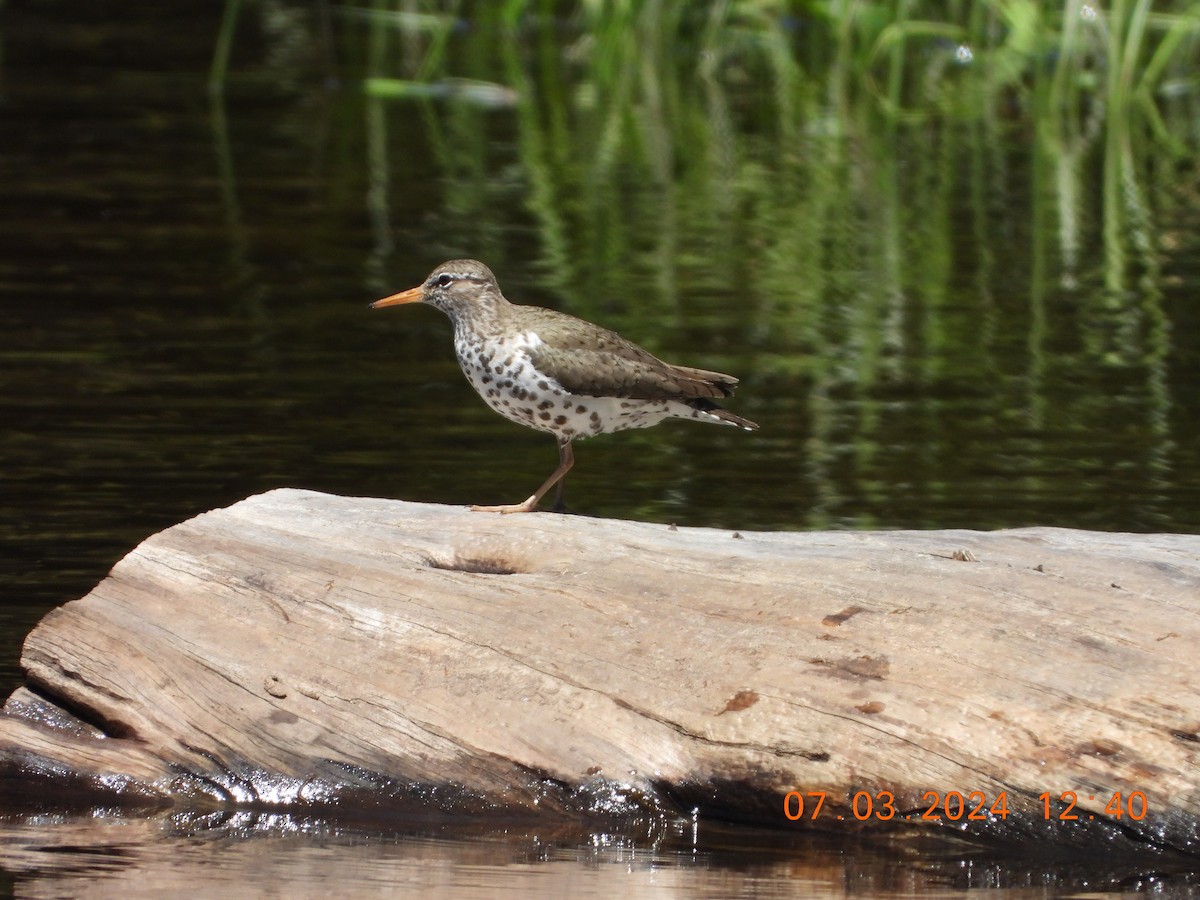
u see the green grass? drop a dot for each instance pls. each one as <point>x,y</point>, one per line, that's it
<point>752,148</point>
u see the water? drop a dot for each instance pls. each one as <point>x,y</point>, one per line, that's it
<point>255,854</point>
<point>936,324</point>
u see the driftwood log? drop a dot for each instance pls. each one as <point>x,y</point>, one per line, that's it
<point>306,650</point>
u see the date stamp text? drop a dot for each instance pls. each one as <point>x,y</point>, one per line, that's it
<point>963,806</point>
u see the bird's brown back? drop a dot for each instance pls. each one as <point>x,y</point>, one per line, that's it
<point>590,360</point>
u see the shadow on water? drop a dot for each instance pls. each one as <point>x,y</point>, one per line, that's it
<point>954,263</point>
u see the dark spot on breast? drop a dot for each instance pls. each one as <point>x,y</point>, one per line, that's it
<point>544,385</point>
<point>596,418</point>
<point>546,404</point>
<point>560,420</point>
<point>581,409</point>
<point>509,361</point>
<point>833,620</point>
<point>487,379</point>
<point>545,416</point>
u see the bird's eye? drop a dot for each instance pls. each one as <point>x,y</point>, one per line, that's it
<point>444,280</point>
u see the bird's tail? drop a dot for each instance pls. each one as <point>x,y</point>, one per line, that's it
<point>703,383</point>
<point>706,409</point>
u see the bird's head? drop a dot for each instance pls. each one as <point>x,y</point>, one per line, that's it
<point>454,287</point>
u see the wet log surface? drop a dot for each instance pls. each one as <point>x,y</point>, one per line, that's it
<point>312,651</point>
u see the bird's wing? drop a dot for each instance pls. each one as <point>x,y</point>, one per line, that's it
<point>596,362</point>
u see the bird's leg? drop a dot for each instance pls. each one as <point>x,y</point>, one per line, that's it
<point>566,459</point>
<point>560,503</point>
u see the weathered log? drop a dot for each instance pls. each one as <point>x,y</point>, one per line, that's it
<point>301,648</point>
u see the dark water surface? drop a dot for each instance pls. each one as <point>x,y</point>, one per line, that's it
<point>939,323</point>
<point>249,854</point>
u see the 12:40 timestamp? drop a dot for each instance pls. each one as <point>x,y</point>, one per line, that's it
<point>972,806</point>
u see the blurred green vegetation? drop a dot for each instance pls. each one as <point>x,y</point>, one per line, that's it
<point>830,183</point>
<point>768,132</point>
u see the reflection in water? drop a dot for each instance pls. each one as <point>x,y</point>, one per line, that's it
<point>255,853</point>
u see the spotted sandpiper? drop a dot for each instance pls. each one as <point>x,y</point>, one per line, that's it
<point>556,373</point>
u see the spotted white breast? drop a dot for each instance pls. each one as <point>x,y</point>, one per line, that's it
<point>502,372</point>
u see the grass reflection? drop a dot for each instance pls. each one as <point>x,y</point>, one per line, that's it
<point>874,210</point>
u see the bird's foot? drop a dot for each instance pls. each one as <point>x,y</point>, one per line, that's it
<point>529,505</point>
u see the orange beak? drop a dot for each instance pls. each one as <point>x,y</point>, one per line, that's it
<point>412,295</point>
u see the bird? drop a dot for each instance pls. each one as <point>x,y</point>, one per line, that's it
<point>556,373</point>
